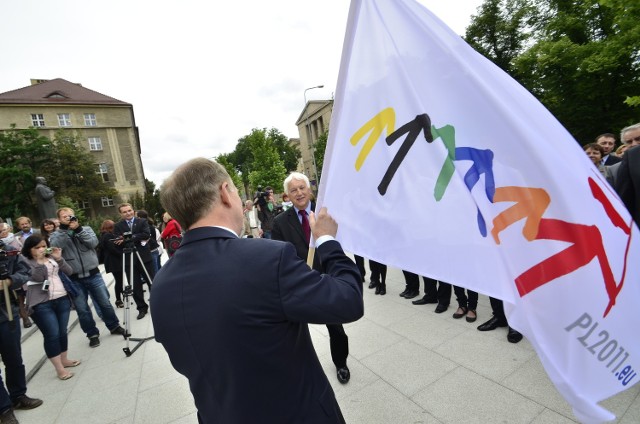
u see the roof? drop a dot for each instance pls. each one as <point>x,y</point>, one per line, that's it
<point>58,91</point>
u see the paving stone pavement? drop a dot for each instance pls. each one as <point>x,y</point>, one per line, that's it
<point>408,365</point>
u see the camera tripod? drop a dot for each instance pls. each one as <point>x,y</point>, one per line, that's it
<point>127,292</point>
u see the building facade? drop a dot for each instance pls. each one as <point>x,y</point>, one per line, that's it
<point>105,125</point>
<point>312,123</point>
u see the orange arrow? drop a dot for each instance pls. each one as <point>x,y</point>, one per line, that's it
<point>530,203</point>
<point>375,126</point>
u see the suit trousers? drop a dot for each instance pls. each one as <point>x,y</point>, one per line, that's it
<point>339,343</point>
<point>138,275</point>
<point>360,264</point>
<point>378,272</point>
<point>434,289</point>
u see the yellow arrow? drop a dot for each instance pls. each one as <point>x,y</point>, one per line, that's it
<point>375,126</point>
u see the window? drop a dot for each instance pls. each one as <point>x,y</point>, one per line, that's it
<point>90,120</point>
<point>84,204</point>
<point>95,143</point>
<point>64,119</point>
<point>107,201</point>
<point>37,120</point>
<point>103,170</point>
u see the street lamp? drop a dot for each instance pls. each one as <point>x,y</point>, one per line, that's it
<point>309,140</point>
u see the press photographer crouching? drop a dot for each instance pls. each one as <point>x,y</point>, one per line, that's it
<point>14,272</point>
<point>78,244</point>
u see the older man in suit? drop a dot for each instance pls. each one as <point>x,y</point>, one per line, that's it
<point>628,176</point>
<point>140,235</point>
<point>293,226</point>
<point>232,312</point>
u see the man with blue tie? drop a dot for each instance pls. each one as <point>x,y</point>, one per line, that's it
<point>293,226</point>
<point>139,231</point>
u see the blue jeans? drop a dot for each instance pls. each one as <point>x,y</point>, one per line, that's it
<point>100,295</point>
<point>52,318</point>
<point>155,259</point>
<point>11,353</point>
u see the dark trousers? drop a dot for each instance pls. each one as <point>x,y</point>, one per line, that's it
<point>434,289</point>
<point>138,276</point>
<point>117,276</point>
<point>412,281</point>
<point>14,370</point>
<point>360,264</point>
<point>498,308</point>
<point>339,343</point>
<point>378,272</point>
<point>466,300</point>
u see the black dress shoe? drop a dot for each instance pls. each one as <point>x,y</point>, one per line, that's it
<point>513,336</point>
<point>441,308</point>
<point>411,295</point>
<point>404,293</point>
<point>141,314</point>
<point>372,285</point>
<point>424,301</point>
<point>25,402</point>
<point>492,324</point>
<point>121,331</point>
<point>8,417</point>
<point>343,375</point>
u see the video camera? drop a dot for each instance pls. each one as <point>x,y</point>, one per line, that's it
<point>262,197</point>
<point>4,260</point>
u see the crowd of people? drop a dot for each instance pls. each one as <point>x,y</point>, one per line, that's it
<point>50,269</point>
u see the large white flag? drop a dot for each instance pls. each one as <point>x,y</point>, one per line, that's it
<point>439,163</point>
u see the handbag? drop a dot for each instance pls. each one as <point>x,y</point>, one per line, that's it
<point>173,243</point>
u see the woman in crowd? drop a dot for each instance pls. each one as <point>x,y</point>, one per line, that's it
<point>171,233</point>
<point>48,300</point>
<point>595,153</point>
<point>112,257</point>
<point>46,228</point>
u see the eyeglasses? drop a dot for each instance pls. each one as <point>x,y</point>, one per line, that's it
<point>632,140</point>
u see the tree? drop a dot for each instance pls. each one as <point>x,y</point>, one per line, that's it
<point>72,171</point>
<point>259,158</point>
<point>223,160</point>
<point>25,155</point>
<point>151,201</point>
<point>580,59</point>
<point>319,148</point>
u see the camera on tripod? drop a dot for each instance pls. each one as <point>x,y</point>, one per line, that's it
<point>4,262</point>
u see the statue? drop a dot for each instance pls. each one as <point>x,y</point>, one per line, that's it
<point>46,203</point>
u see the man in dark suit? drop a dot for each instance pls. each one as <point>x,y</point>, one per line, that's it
<point>140,234</point>
<point>290,226</point>
<point>608,143</point>
<point>628,177</point>
<point>232,312</point>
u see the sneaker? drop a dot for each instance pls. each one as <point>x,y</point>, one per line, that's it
<point>25,402</point>
<point>94,341</point>
<point>7,417</point>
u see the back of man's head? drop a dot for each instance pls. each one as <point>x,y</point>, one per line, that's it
<point>193,190</point>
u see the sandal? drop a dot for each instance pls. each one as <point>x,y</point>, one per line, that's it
<point>462,311</point>
<point>474,317</point>
<point>66,376</point>
<point>73,364</point>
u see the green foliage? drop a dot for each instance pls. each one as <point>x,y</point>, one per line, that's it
<point>580,59</point>
<point>152,201</point>
<point>259,159</point>
<point>72,171</point>
<point>67,202</point>
<point>25,155</point>
<point>223,160</point>
<point>319,148</point>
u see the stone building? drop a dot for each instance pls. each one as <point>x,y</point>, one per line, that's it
<point>106,125</point>
<point>312,123</point>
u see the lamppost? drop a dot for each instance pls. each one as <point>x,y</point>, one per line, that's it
<point>309,140</point>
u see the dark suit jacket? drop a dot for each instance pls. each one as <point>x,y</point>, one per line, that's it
<point>628,182</point>
<point>232,314</point>
<point>612,160</point>
<point>139,233</point>
<point>287,227</point>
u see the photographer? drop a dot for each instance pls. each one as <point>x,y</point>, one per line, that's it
<point>14,272</point>
<point>266,210</point>
<point>78,244</point>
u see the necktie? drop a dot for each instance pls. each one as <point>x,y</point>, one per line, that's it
<point>130,225</point>
<point>306,229</point>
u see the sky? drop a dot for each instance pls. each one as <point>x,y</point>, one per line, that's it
<point>200,75</point>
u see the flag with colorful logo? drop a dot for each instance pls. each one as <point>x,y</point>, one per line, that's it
<point>441,164</point>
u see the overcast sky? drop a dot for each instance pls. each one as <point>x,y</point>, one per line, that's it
<point>200,75</point>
